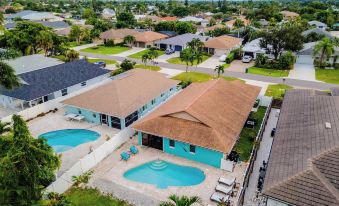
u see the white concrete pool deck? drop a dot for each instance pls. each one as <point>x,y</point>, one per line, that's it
<point>57,121</point>
<point>108,177</point>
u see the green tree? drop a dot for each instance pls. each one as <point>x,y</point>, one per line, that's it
<point>82,179</point>
<point>220,69</point>
<point>1,18</point>
<point>27,165</point>
<point>152,53</point>
<point>324,48</point>
<point>71,55</point>
<point>181,201</point>
<point>5,127</point>
<point>88,13</point>
<point>196,44</point>
<point>8,78</point>
<point>125,20</point>
<point>187,56</point>
<point>238,23</point>
<point>45,41</point>
<point>145,58</point>
<point>76,33</point>
<point>127,65</point>
<point>129,40</point>
<point>182,27</point>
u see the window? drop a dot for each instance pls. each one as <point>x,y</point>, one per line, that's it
<point>171,89</point>
<point>94,115</point>
<point>115,122</point>
<point>153,101</point>
<point>162,94</point>
<point>192,149</point>
<point>83,84</point>
<point>144,107</point>
<point>171,143</point>
<point>131,118</point>
<point>79,111</point>
<point>64,92</point>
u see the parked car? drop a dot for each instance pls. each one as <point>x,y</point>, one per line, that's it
<point>169,51</point>
<point>246,59</point>
<point>222,58</point>
<point>273,132</point>
<point>101,64</point>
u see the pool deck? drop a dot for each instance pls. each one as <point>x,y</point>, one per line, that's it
<point>108,177</point>
<point>57,121</point>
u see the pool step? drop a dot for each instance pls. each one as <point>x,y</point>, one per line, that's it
<point>158,165</point>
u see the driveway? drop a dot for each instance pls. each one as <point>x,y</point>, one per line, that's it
<point>303,69</point>
<point>239,66</point>
<point>211,62</point>
<point>165,57</point>
<point>130,52</point>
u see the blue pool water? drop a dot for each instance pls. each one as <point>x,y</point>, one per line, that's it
<point>163,174</point>
<point>66,139</point>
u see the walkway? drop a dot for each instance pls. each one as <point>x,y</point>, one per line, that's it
<point>130,52</point>
<point>262,155</point>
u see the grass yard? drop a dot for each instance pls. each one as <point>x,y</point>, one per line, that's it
<point>198,77</point>
<point>327,75</point>
<point>139,54</point>
<point>102,60</point>
<point>268,72</point>
<point>74,44</point>
<point>149,67</point>
<point>90,197</point>
<point>247,136</point>
<point>60,57</point>
<point>106,49</point>
<point>177,60</point>
<point>226,65</point>
<point>277,91</point>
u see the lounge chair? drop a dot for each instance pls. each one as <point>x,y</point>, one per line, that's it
<point>125,156</point>
<point>133,150</point>
<point>220,197</point>
<point>224,189</point>
<point>70,116</point>
<point>79,118</point>
<point>227,181</point>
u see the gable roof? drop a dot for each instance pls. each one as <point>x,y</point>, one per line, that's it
<point>223,42</point>
<point>124,95</point>
<point>318,31</point>
<point>286,13</point>
<point>317,23</point>
<point>210,114</point>
<point>45,81</point>
<point>149,36</point>
<point>303,166</point>
<point>117,33</point>
<point>193,19</point>
<point>182,39</point>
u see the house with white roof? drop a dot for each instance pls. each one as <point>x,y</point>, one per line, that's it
<point>194,19</point>
<point>253,48</point>
<point>318,24</point>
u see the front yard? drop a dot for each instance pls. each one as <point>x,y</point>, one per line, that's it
<point>277,91</point>
<point>102,60</point>
<point>327,75</point>
<point>268,72</point>
<point>198,77</point>
<point>139,54</point>
<point>149,67</point>
<point>101,49</point>
<point>177,60</point>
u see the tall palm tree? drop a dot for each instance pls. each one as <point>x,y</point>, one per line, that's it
<point>187,56</point>
<point>181,201</point>
<point>196,44</point>
<point>325,48</point>
<point>220,69</point>
<point>8,78</point>
<point>45,41</point>
<point>72,55</point>
<point>129,40</point>
<point>145,58</point>
<point>152,53</point>
<point>199,57</point>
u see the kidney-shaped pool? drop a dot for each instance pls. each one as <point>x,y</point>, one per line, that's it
<point>164,174</point>
<point>66,139</point>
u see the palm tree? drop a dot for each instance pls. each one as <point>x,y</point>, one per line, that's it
<point>76,33</point>
<point>8,78</point>
<point>145,58</point>
<point>129,39</point>
<point>45,41</point>
<point>72,55</point>
<point>4,127</point>
<point>181,201</point>
<point>199,57</point>
<point>325,48</point>
<point>219,69</point>
<point>187,56</point>
<point>196,44</point>
<point>152,54</point>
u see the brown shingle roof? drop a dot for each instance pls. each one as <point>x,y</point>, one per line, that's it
<point>149,36</point>
<point>210,114</point>
<point>125,94</point>
<point>117,33</point>
<point>303,166</point>
<point>223,42</point>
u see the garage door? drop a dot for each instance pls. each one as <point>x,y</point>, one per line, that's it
<point>304,59</point>
<point>177,48</point>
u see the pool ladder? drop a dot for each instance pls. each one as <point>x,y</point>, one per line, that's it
<point>158,165</point>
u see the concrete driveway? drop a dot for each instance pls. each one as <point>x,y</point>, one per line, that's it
<point>303,69</point>
<point>211,62</point>
<point>239,66</point>
<point>130,52</point>
<point>165,57</point>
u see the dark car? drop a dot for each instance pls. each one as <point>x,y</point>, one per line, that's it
<point>273,132</point>
<point>101,64</point>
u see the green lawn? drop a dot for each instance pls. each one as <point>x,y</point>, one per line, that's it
<point>177,60</point>
<point>277,91</point>
<point>327,75</point>
<point>150,67</point>
<point>74,44</point>
<point>226,65</point>
<point>106,49</point>
<point>90,197</point>
<point>102,60</point>
<point>247,136</point>
<point>198,77</point>
<point>60,57</point>
<point>139,54</point>
<point>268,72</point>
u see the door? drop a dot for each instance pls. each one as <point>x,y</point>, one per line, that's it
<point>104,119</point>
<point>177,48</point>
<point>152,141</point>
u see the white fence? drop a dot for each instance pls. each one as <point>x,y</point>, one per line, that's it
<point>64,182</point>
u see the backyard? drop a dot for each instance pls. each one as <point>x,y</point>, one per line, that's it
<point>199,77</point>
<point>101,49</point>
<point>268,72</point>
<point>277,91</point>
<point>327,75</point>
<point>139,54</point>
<point>177,60</point>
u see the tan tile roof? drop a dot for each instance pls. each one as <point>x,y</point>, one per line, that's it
<point>124,95</point>
<point>211,28</point>
<point>149,36</point>
<point>230,23</point>
<point>289,14</point>
<point>303,166</point>
<point>117,33</point>
<point>223,42</point>
<point>210,114</point>
<point>169,18</point>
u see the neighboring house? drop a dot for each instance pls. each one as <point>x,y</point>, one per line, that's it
<point>117,35</point>
<point>168,33</point>
<point>318,24</point>
<point>307,54</point>
<point>108,14</point>
<point>201,123</point>
<point>194,19</point>
<point>168,18</point>
<point>33,16</point>
<point>147,39</point>
<point>211,28</point>
<point>222,45</point>
<point>317,31</point>
<point>67,31</point>
<point>230,23</point>
<point>179,42</point>
<point>123,100</point>
<point>303,166</point>
<point>55,25</point>
<point>288,15</point>
<point>45,84</point>
<point>253,48</point>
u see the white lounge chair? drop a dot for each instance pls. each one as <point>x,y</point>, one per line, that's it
<point>79,118</point>
<point>224,189</point>
<point>227,181</point>
<point>70,116</point>
<point>220,197</point>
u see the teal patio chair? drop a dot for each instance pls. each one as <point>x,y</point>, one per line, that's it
<point>125,156</point>
<point>133,150</point>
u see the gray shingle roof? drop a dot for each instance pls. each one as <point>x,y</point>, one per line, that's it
<point>48,80</point>
<point>183,39</point>
<point>50,24</point>
<point>303,166</point>
<point>318,31</point>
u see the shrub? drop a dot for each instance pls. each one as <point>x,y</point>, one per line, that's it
<point>286,61</point>
<point>109,43</point>
<point>230,58</point>
<point>117,71</point>
<point>237,53</point>
<point>261,60</point>
<point>127,65</point>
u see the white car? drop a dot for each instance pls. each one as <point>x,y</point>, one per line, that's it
<point>246,59</point>
<point>222,58</point>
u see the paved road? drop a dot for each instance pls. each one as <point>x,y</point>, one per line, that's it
<point>276,80</point>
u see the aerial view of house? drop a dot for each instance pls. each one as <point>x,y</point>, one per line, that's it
<point>148,38</point>
<point>179,42</point>
<point>117,35</point>
<point>222,45</point>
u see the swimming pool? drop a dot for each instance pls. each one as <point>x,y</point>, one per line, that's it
<point>66,139</point>
<point>164,174</point>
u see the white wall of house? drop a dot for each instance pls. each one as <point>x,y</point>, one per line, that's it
<point>272,202</point>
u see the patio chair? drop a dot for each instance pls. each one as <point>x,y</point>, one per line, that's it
<point>224,189</point>
<point>70,116</point>
<point>220,197</point>
<point>133,150</point>
<point>227,181</point>
<point>79,118</point>
<point>125,156</point>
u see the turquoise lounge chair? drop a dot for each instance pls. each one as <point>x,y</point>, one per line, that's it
<point>125,156</point>
<point>133,150</point>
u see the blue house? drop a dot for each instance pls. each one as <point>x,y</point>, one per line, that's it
<point>201,123</point>
<point>124,100</point>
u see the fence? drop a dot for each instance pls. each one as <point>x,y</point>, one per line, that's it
<point>64,182</point>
